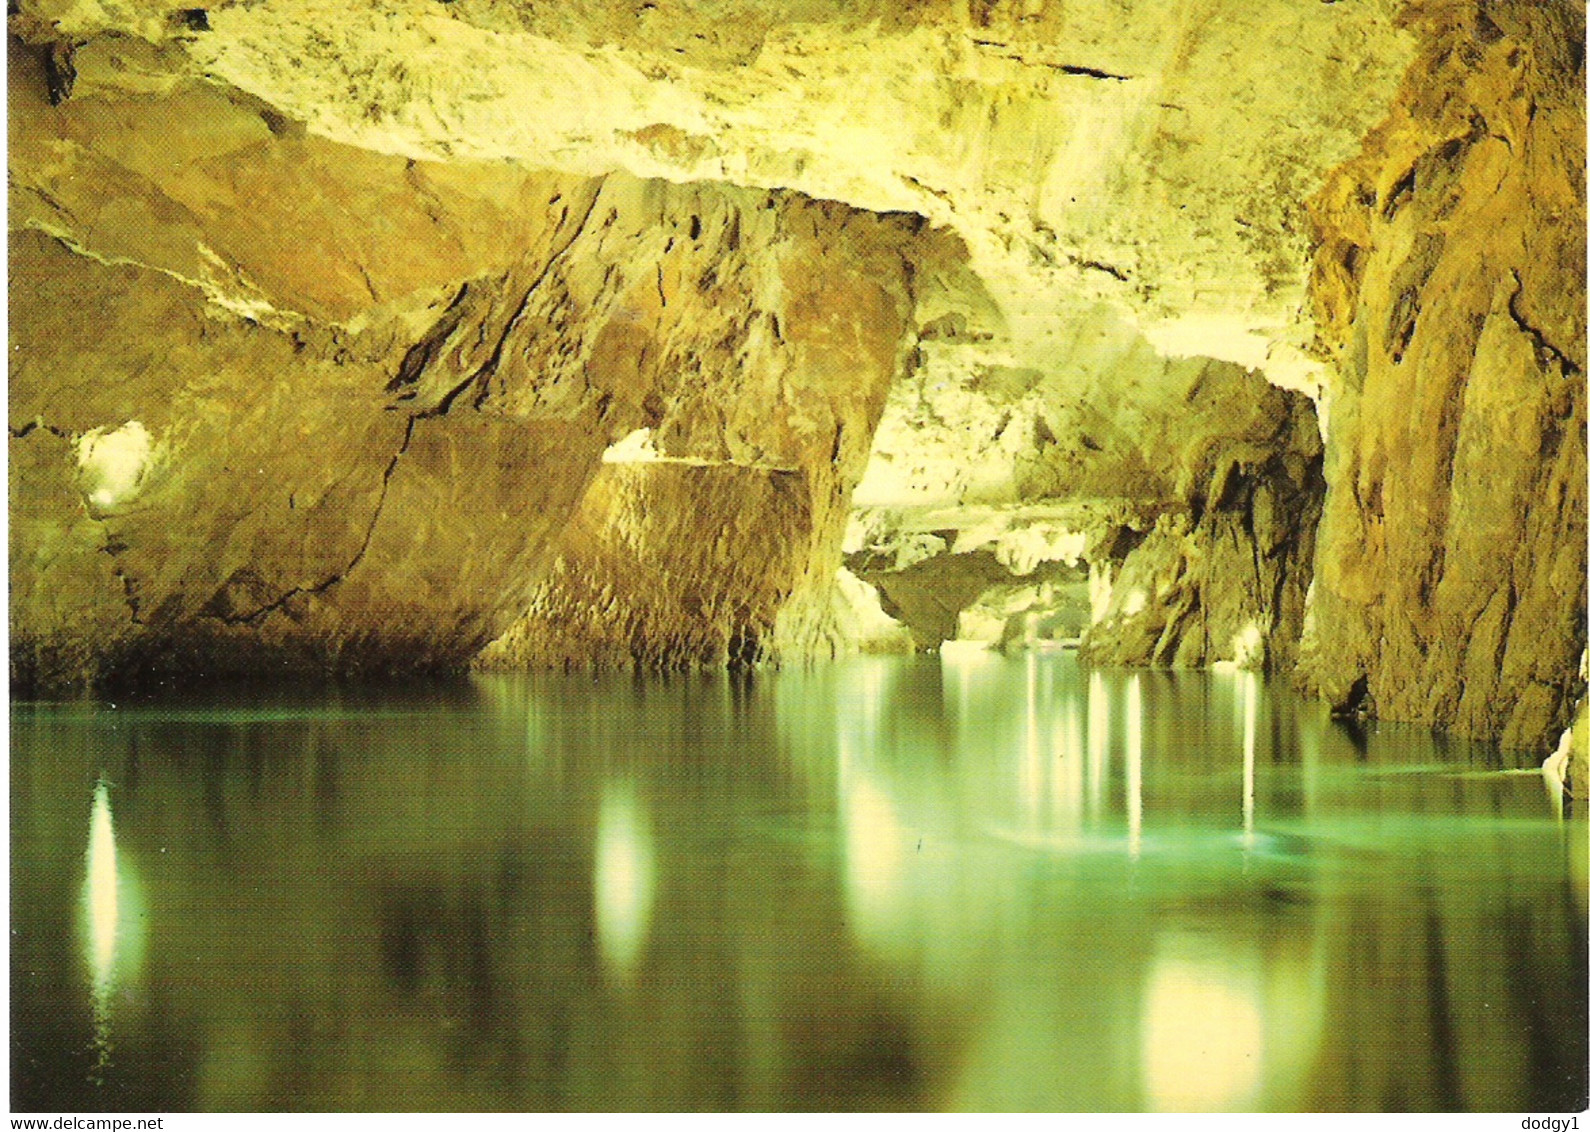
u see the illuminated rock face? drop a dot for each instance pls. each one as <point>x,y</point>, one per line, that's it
<point>287,518</point>
<point>374,470</point>
<point>364,338</point>
<point>671,565</point>
<point>1186,489</point>
<point>1226,578</point>
<point>1149,154</point>
<point>1450,586</point>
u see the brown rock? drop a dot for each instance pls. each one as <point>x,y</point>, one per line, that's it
<point>294,471</point>
<point>1449,288</point>
<point>1223,574</point>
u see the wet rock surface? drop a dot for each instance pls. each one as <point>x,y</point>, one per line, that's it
<point>1168,504</point>
<point>1225,575</point>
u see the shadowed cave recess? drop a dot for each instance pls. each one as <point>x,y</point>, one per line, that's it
<point>415,336</point>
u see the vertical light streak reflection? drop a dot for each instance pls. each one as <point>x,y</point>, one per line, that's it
<point>1098,741</point>
<point>1032,756</point>
<point>872,836</point>
<point>1134,765</point>
<point>874,849</point>
<point>1067,784</point>
<point>1308,748</point>
<point>111,915</point>
<point>1250,712</point>
<point>100,894</point>
<point>872,697</point>
<point>959,670</point>
<point>625,879</point>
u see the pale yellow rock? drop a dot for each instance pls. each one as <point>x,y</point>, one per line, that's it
<point>1152,156</point>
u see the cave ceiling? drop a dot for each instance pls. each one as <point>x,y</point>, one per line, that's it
<point>1149,157</point>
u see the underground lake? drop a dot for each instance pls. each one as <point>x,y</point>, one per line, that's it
<point>960,881</point>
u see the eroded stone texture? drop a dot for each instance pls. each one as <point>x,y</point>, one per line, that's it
<point>76,618</point>
<point>1577,775</point>
<point>665,566</point>
<point>1225,576</point>
<point>1153,156</point>
<point>756,347</point>
<point>975,596</point>
<point>237,452</point>
<point>1449,287</point>
<point>1192,485</point>
<point>324,317</point>
<point>283,518</point>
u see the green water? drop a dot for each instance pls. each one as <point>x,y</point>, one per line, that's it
<point>981,883</point>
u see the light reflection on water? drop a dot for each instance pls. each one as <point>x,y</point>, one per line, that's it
<point>1250,716</point>
<point>109,928</point>
<point>100,895</point>
<point>981,883</point>
<point>1203,1027</point>
<point>625,878</point>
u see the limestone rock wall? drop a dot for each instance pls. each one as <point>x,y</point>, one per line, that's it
<point>1154,155</point>
<point>277,516</point>
<point>1188,487</point>
<point>1225,576</point>
<point>360,336</point>
<point>279,405</point>
<point>754,349</point>
<point>667,566</point>
<point>1449,290</point>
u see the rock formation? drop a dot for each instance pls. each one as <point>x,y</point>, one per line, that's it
<point>1449,288</point>
<point>368,339</point>
<point>1185,491</point>
<point>372,469</point>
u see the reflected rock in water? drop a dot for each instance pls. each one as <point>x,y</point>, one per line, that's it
<point>892,884</point>
<point>1134,763</point>
<point>1250,714</point>
<point>1098,741</point>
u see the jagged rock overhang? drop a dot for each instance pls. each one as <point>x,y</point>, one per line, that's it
<point>1068,145</point>
<point>370,393</point>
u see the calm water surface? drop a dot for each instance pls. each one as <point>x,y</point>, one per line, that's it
<point>906,883</point>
